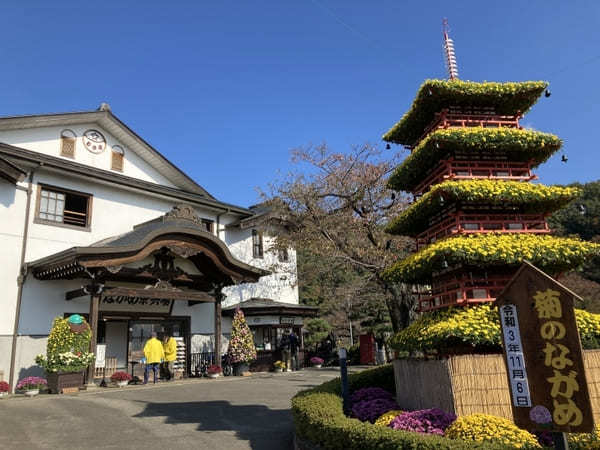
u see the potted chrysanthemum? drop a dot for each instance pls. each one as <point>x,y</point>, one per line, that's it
<point>316,362</point>
<point>31,385</point>
<point>4,389</point>
<point>67,353</point>
<point>213,371</point>
<point>241,348</point>
<point>120,378</point>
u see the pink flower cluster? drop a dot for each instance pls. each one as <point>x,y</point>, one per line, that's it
<point>429,421</point>
<point>213,369</point>
<point>31,383</point>
<point>120,376</point>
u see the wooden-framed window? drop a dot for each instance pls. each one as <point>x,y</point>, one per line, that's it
<point>257,244</point>
<point>117,158</point>
<point>68,138</point>
<point>283,255</point>
<point>208,225</point>
<point>63,207</point>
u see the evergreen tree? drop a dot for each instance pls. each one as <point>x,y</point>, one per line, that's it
<point>241,344</point>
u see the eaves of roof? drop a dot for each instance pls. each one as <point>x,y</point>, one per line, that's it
<point>60,164</point>
<point>11,172</point>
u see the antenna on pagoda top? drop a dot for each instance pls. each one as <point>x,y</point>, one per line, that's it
<point>449,54</point>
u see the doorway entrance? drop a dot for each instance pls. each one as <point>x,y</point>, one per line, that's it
<point>141,329</point>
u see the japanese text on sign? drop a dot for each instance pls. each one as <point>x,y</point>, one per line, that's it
<point>563,381</point>
<point>517,372</point>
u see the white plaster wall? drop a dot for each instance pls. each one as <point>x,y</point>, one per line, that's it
<point>47,140</point>
<point>28,347</point>
<point>12,216</point>
<point>114,211</point>
<point>44,300</point>
<point>202,315</point>
<point>281,285</point>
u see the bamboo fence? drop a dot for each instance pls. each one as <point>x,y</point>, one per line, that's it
<point>469,384</point>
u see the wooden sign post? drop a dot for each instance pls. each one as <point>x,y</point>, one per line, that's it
<point>543,356</point>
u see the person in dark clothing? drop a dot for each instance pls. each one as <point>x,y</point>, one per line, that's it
<point>294,347</point>
<point>285,347</point>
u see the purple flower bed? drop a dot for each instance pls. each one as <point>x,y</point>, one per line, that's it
<point>370,393</point>
<point>370,410</point>
<point>430,421</point>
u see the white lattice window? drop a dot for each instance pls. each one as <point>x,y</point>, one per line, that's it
<point>118,155</point>
<point>68,139</point>
<point>56,206</point>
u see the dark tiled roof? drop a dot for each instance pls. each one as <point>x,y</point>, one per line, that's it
<point>266,305</point>
<point>141,231</point>
<point>11,172</point>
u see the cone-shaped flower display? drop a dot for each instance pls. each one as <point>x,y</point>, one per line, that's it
<point>475,216</point>
<point>241,344</point>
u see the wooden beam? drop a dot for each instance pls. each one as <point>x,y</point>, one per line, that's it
<point>218,330</point>
<point>159,293</point>
<point>70,295</point>
<point>94,307</point>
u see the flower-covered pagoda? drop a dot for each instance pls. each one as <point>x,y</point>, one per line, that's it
<point>476,216</point>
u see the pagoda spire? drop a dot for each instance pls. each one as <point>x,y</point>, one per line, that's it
<point>449,55</point>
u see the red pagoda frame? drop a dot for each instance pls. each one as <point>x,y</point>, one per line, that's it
<point>464,285</point>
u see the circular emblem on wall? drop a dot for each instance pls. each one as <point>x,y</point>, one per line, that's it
<point>94,141</point>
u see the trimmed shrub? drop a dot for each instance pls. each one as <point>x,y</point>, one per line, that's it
<point>319,418</point>
<point>385,419</point>
<point>487,428</point>
<point>429,421</point>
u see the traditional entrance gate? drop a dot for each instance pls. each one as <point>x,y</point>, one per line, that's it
<point>166,260</point>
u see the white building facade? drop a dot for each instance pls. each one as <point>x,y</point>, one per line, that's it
<point>84,199</point>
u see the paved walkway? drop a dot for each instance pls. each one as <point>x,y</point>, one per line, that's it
<point>226,413</point>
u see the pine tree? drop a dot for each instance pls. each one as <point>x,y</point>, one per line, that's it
<point>241,345</point>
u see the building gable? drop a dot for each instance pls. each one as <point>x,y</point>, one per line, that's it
<point>97,139</point>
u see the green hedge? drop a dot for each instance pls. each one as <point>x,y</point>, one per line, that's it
<point>435,95</point>
<point>513,144</point>
<point>525,198</point>
<point>550,253</point>
<point>474,328</point>
<point>319,418</point>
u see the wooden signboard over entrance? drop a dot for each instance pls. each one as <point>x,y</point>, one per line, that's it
<point>543,354</point>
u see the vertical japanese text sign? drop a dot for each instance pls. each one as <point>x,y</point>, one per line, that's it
<point>543,354</point>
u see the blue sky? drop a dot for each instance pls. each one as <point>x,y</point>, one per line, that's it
<point>225,89</point>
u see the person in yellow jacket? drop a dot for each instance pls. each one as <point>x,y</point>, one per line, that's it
<point>154,354</point>
<point>170,348</point>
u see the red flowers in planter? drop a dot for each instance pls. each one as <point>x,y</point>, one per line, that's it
<point>4,387</point>
<point>120,376</point>
<point>214,369</point>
